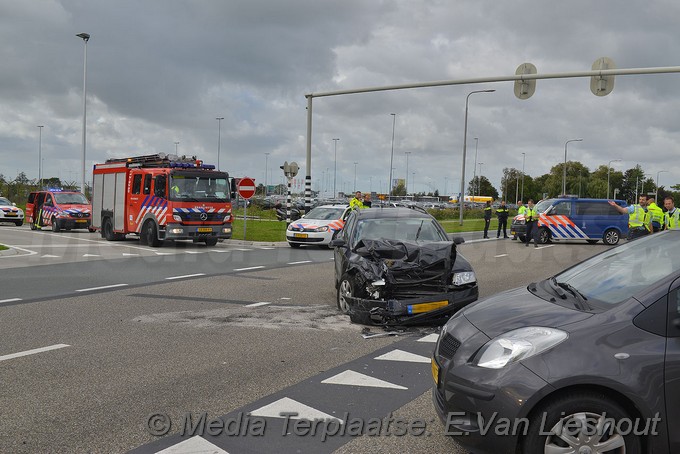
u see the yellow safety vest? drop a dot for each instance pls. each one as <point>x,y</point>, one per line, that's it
<point>672,220</point>
<point>356,203</point>
<point>522,210</point>
<point>656,213</point>
<point>530,214</point>
<point>639,218</point>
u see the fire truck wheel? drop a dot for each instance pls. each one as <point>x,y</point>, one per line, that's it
<point>210,241</point>
<point>150,234</point>
<point>55,225</point>
<point>107,230</point>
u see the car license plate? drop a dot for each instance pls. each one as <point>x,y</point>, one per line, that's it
<point>435,372</point>
<point>205,230</point>
<point>426,307</point>
<point>81,220</point>
<point>300,235</point>
<point>11,215</point>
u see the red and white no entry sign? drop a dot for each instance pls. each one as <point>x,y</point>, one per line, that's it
<point>246,187</point>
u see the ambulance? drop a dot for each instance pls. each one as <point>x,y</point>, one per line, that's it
<point>161,197</point>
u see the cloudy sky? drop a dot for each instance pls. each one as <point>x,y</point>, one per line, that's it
<point>161,71</point>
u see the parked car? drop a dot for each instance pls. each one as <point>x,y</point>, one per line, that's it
<point>318,227</point>
<point>10,213</point>
<point>397,265</point>
<point>571,218</point>
<point>585,361</point>
<point>59,210</point>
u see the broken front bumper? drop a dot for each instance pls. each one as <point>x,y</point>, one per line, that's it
<point>432,308</point>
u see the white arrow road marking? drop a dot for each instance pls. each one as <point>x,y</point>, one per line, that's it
<point>194,445</point>
<point>351,378</point>
<point>429,338</point>
<point>288,405</point>
<point>400,355</point>
<point>33,352</point>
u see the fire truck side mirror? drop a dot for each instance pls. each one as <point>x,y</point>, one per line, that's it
<point>232,186</point>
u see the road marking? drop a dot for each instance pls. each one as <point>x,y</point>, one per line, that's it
<point>501,255</point>
<point>100,288</point>
<point>351,378</point>
<point>248,305</point>
<point>267,248</point>
<point>400,355</point>
<point>429,338</point>
<point>284,298</point>
<point>245,250</point>
<point>10,300</point>
<point>217,250</point>
<point>300,262</point>
<point>48,256</point>
<point>127,254</point>
<point>185,276</point>
<point>165,253</point>
<point>249,268</point>
<point>194,252</point>
<point>288,405</point>
<point>20,249</point>
<point>193,445</point>
<point>543,247</point>
<point>92,255</point>
<point>33,352</point>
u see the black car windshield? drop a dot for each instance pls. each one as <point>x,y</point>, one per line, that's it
<point>71,198</point>
<point>325,213</point>
<point>618,274</point>
<point>4,201</point>
<point>199,187</point>
<point>403,229</point>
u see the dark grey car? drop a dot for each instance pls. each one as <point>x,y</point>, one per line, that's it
<point>585,362</point>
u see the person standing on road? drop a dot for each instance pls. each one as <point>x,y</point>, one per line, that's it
<point>671,218</point>
<point>531,217</point>
<point>487,219</point>
<point>367,201</point>
<point>502,213</point>
<point>521,209</point>
<point>656,214</point>
<point>639,219</point>
<point>357,201</point>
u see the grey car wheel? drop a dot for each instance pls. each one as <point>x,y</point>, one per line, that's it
<point>345,289</point>
<point>581,423</point>
<point>611,237</point>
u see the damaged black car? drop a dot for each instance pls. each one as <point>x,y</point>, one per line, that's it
<point>397,266</point>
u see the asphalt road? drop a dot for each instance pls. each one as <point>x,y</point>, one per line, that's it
<point>202,330</point>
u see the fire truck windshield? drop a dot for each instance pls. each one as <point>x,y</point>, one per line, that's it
<point>71,198</point>
<point>199,187</point>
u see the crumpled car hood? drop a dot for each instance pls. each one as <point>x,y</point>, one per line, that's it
<point>398,261</point>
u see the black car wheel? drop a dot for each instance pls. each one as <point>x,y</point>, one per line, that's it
<point>55,225</point>
<point>107,230</point>
<point>581,422</point>
<point>210,241</point>
<point>347,288</point>
<point>150,235</point>
<point>19,223</point>
<point>611,237</point>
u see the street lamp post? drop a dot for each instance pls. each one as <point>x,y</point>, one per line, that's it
<point>406,182</point>
<point>355,176</point>
<point>479,186</point>
<point>266,167</point>
<point>85,37</point>
<point>656,192</point>
<point>40,156</point>
<point>608,169</point>
<point>564,170</point>
<point>219,140</point>
<point>474,172</point>
<point>462,175</point>
<point>389,183</point>
<point>524,155</point>
<point>176,143</point>
<point>335,166</point>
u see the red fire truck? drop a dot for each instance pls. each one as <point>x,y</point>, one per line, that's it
<point>161,197</point>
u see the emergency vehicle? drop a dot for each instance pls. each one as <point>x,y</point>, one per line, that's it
<point>58,209</point>
<point>161,197</point>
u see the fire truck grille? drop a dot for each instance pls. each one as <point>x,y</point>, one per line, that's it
<point>197,216</point>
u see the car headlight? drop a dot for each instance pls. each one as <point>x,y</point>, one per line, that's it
<point>323,228</point>
<point>517,345</point>
<point>465,277</point>
<point>290,227</point>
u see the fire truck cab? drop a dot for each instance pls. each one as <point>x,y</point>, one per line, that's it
<point>161,197</point>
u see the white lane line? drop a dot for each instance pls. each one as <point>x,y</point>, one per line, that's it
<point>300,262</point>
<point>267,248</point>
<point>29,252</point>
<point>217,250</point>
<point>244,250</point>
<point>193,445</point>
<point>501,255</point>
<point>194,252</point>
<point>127,254</point>
<point>185,276</point>
<point>100,288</point>
<point>429,338</point>
<point>251,305</point>
<point>92,255</point>
<point>249,268</point>
<point>48,256</point>
<point>351,378</point>
<point>400,355</point>
<point>33,352</point>
<point>543,247</point>
<point>284,298</point>
<point>10,300</point>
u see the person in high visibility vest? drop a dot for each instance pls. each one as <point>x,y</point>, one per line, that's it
<point>639,218</point>
<point>502,213</point>
<point>487,219</point>
<point>656,214</point>
<point>521,209</point>
<point>671,217</point>
<point>531,219</point>
<point>356,202</point>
